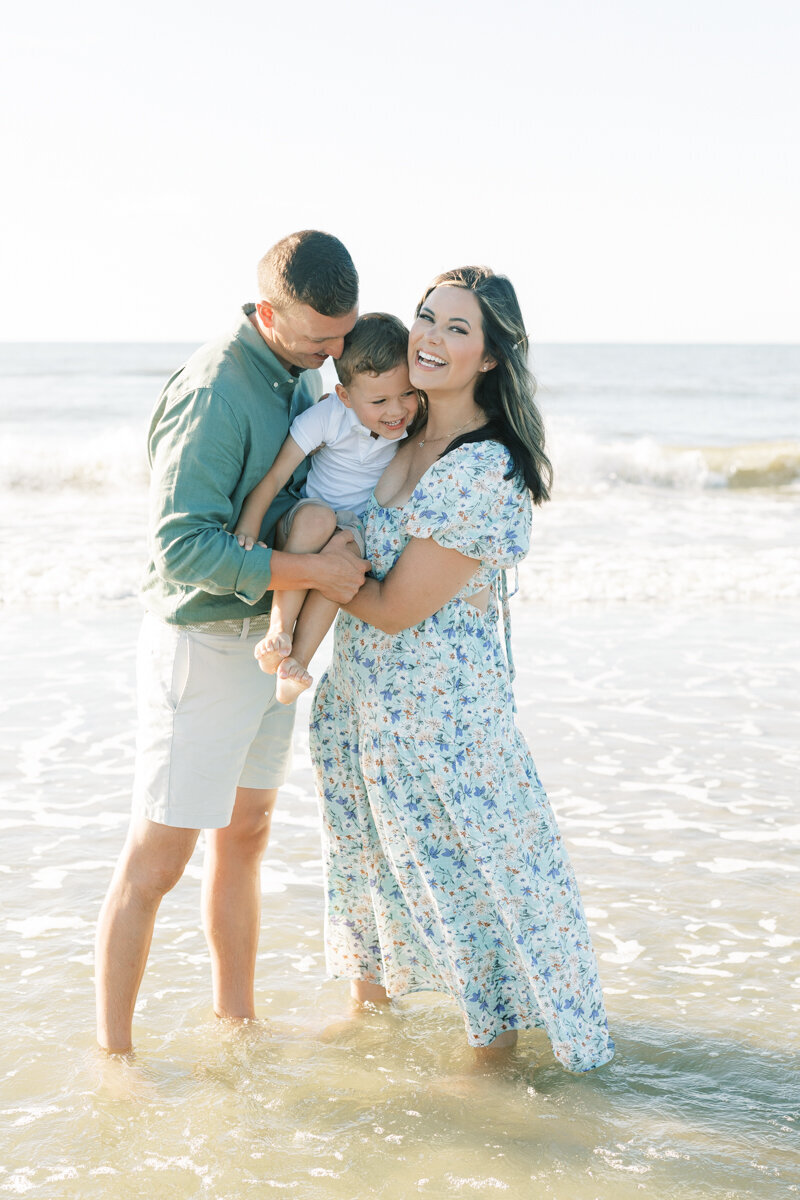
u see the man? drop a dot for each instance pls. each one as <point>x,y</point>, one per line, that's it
<point>213,743</point>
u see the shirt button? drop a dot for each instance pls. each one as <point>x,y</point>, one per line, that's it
<point>274,385</point>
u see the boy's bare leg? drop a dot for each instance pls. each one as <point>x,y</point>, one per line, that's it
<point>232,900</point>
<point>315,619</point>
<point>311,529</point>
<point>152,861</point>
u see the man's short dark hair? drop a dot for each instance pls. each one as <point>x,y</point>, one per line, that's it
<point>377,342</point>
<point>310,268</point>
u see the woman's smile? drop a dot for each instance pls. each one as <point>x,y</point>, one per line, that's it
<point>428,361</point>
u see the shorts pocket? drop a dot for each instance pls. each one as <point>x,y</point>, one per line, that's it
<point>180,671</point>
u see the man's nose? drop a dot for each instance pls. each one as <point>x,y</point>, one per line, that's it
<point>334,347</point>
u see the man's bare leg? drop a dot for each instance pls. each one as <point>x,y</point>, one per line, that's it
<point>152,861</point>
<point>232,900</point>
<point>311,529</point>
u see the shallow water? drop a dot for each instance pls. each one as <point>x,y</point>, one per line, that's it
<point>667,739</point>
<point>657,645</point>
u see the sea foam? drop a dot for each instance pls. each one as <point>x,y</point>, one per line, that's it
<point>37,461</point>
<point>108,461</point>
<point>585,462</point>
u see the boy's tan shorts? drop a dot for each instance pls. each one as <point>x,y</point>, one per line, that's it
<point>208,723</point>
<point>345,519</point>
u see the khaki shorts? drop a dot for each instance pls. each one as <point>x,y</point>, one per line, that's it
<point>345,519</point>
<point>208,723</point>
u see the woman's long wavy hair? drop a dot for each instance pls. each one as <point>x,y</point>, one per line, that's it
<point>506,393</point>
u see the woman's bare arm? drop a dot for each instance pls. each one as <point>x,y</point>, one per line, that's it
<point>423,579</point>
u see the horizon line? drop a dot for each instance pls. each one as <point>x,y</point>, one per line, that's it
<point>183,341</point>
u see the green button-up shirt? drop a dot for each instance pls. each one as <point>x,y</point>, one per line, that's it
<point>217,427</point>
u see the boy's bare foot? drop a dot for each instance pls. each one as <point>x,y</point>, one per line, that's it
<point>272,650</point>
<point>292,679</point>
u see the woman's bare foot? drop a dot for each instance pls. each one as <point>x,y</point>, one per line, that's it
<point>272,650</point>
<point>365,999</point>
<point>497,1050</point>
<point>292,679</point>
<point>362,992</point>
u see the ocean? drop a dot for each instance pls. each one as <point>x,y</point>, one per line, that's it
<point>657,641</point>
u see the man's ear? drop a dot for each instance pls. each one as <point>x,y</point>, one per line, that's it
<point>341,392</point>
<point>266,313</point>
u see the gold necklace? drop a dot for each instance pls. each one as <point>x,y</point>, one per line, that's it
<point>449,436</point>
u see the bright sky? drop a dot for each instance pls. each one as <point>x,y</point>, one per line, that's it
<point>633,166</point>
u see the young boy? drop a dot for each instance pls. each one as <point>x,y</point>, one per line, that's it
<point>351,435</point>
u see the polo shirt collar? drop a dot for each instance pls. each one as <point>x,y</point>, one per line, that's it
<point>354,423</point>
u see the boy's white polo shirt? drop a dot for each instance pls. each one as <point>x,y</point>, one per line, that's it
<point>348,461</point>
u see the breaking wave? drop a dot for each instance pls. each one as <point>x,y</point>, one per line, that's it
<point>586,463</point>
<point>110,461</point>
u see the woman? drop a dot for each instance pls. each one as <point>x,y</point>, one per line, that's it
<point>445,869</point>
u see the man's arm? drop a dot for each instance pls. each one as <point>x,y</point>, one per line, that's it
<point>196,456</point>
<point>197,452</point>
<point>336,571</point>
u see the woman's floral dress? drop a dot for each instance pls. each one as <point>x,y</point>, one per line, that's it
<point>445,869</point>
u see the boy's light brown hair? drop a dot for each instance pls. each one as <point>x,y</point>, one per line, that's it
<point>377,342</point>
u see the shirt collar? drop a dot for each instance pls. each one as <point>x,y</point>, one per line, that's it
<point>266,361</point>
<point>353,423</point>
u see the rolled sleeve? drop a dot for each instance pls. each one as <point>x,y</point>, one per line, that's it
<point>197,452</point>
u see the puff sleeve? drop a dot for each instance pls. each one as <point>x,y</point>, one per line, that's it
<point>464,503</point>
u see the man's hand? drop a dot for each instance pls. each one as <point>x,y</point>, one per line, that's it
<point>338,570</point>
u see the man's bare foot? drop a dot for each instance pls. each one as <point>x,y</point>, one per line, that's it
<point>292,679</point>
<point>119,1076</point>
<point>250,1028</point>
<point>272,650</point>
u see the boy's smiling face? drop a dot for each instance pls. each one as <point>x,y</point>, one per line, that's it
<point>385,404</point>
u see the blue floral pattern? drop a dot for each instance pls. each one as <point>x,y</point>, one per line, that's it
<point>444,866</point>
